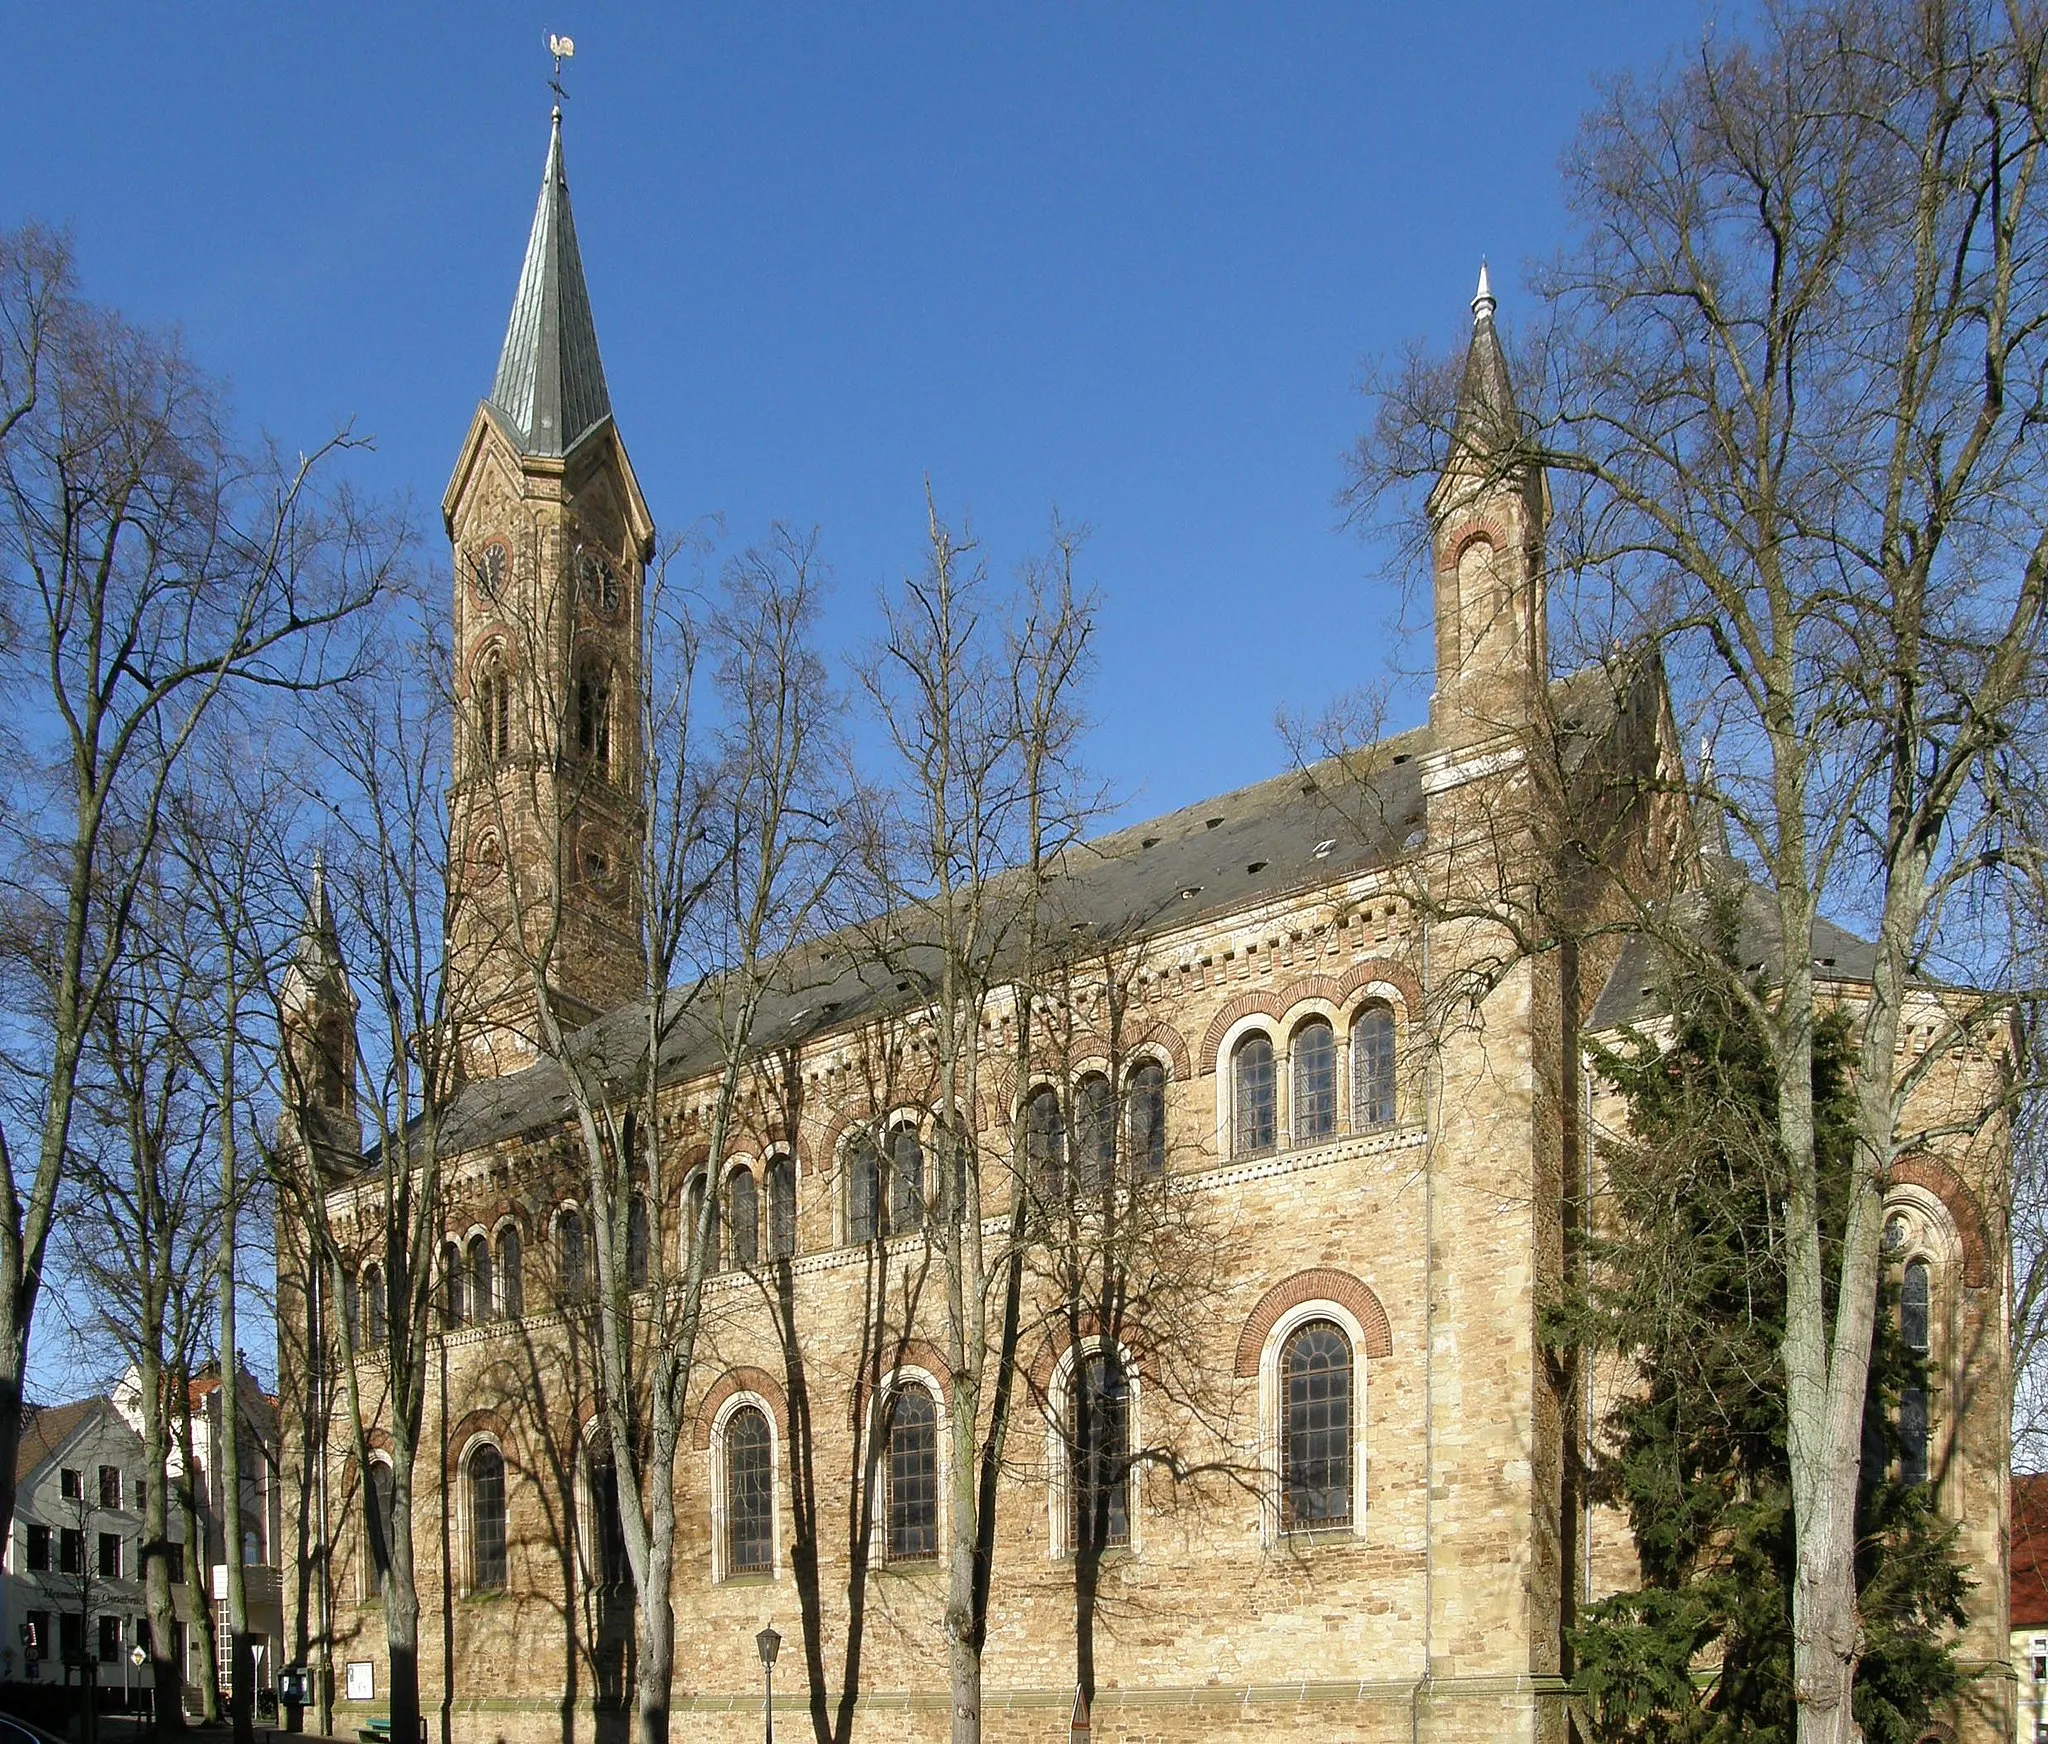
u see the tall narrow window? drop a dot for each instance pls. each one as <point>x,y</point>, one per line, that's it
<point>493,711</point>
<point>454,1298</point>
<point>1045,1141</point>
<point>637,1242</point>
<point>1915,1330</point>
<point>377,1522</point>
<point>913,1477</point>
<point>906,1180</point>
<point>594,716</point>
<point>781,1209</point>
<point>351,1310</point>
<point>1372,1069</point>
<point>1315,1428</point>
<point>693,1223</point>
<point>1145,1120</point>
<point>575,1259</point>
<point>1099,1446</point>
<point>376,1303</point>
<point>749,1493</point>
<point>1315,1082</point>
<point>1254,1129</point>
<point>742,1218</point>
<point>608,1562</point>
<point>511,1278</point>
<point>1094,1133</point>
<point>486,1519</point>
<point>483,1294</point>
<point>864,1204</point>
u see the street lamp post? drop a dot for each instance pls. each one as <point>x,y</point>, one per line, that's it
<point>770,1644</point>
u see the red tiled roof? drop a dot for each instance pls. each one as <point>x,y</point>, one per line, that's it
<point>43,1427</point>
<point>2030,1552</point>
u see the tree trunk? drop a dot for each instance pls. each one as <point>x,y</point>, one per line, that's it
<point>198,1572</point>
<point>657,1651</point>
<point>241,1666</point>
<point>166,1674</point>
<point>402,1606</point>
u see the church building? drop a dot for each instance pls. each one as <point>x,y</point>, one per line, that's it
<point>1341,1495</point>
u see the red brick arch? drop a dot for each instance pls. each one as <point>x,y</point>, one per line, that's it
<point>918,1353</point>
<point>1139,1039</point>
<point>740,1380</point>
<point>1937,1177</point>
<point>1322,1284</point>
<point>468,1427</point>
<point>1273,1005</point>
<point>1383,969</point>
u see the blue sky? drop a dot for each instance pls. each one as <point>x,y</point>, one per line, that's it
<point>1123,260</point>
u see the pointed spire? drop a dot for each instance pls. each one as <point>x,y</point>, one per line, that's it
<point>1486,400</point>
<point>550,385</point>
<point>317,968</point>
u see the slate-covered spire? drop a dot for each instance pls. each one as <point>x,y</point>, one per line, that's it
<point>317,974</point>
<point>1486,399</point>
<point>550,389</point>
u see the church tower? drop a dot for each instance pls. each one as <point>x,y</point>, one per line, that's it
<point>551,537</point>
<point>1487,517</point>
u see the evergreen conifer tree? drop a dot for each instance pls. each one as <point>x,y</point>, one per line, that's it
<point>1684,1289</point>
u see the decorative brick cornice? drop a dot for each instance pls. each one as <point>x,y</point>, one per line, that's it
<point>740,1380</point>
<point>1321,1284</point>
<point>1937,1177</point>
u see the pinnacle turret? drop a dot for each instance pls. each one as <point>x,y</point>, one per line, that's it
<point>549,392</point>
<point>1486,399</point>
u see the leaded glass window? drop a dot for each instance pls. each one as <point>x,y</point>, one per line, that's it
<point>608,1565</point>
<point>742,1218</point>
<point>864,1204</point>
<point>375,1304</point>
<point>377,1521</point>
<point>906,1180</point>
<point>1099,1444</point>
<point>637,1243</point>
<point>1914,1297</point>
<point>781,1209</point>
<point>1372,1069</point>
<point>575,1262</point>
<point>1315,1082</point>
<point>749,1493</point>
<point>482,1293</point>
<point>453,1296</point>
<point>913,1477</point>
<point>1315,1428</point>
<point>1094,1133</point>
<point>511,1279</point>
<point>1255,1127</point>
<point>1915,1330</point>
<point>1045,1141</point>
<point>1145,1120</point>
<point>486,1519</point>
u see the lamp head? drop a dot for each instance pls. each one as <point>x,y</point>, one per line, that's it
<point>770,1644</point>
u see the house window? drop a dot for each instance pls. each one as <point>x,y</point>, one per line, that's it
<point>781,1209</point>
<point>1372,1069</point>
<point>1315,1428</point>
<point>609,1564</point>
<point>1145,1119</point>
<point>70,1550</point>
<point>486,1520</point>
<point>743,1218</point>
<point>482,1292</point>
<point>141,1494</point>
<point>1094,1133</point>
<point>1045,1142</point>
<point>110,1555</point>
<point>574,1259</point>
<point>511,1280</point>
<point>906,1180</point>
<point>1315,1082</point>
<point>110,1640</point>
<point>1255,1128</point>
<point>1098,1447</point>
<point>176,1557</point>
<point>864,1203</point>
<point>110,1486</point>
<point>71,1485</point>
<point>70,1636</point>
<point>913,1476</point>
<point>377,1524</point>
<point>39,1549</point>
<point>749,1493</point>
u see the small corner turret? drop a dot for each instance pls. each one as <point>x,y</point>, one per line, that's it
<point>317,1019</point>
<point>1488,512</point>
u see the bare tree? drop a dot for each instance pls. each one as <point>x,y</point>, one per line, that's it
<point>1788,386</point>
<point>982,716</point>
<point>152,573</point>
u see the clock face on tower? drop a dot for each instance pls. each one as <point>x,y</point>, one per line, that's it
<point>490,568</point>
<point>599,581</point>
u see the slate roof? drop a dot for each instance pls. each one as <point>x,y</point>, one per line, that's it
<point>1632,994</point>
<point>549,392</point>
<point>45,1428</point>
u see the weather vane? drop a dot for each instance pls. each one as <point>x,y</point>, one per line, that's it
<point>562,48</point>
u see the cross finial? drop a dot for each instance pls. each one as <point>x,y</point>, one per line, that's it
<point>562,48</point>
